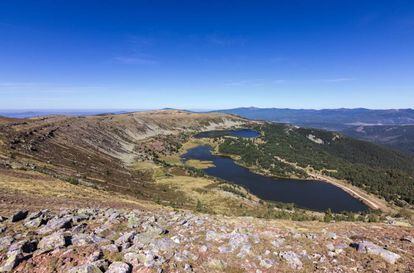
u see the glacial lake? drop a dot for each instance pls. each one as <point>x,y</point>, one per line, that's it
<point>314,195</point>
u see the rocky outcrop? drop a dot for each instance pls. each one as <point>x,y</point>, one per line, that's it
<point>107,240</point>
<point>371,248</point>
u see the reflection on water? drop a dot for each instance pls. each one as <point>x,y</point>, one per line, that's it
<point>315,195</point>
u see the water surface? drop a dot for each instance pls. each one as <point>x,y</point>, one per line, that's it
<point>314,195</point>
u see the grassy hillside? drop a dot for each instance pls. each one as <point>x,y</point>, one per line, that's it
<point>376,169</point>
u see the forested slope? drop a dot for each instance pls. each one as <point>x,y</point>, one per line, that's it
<point>377,169</point>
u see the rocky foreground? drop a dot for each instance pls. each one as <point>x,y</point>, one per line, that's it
<point>110,240</point>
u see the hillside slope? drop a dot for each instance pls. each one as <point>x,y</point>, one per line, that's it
<point>98,150</point>
<point>398,137</point>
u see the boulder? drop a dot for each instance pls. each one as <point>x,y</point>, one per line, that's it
<point>55,224</point>
<point>371,248</point>
<point>125,238</point>
<point>110,248</point>
<point>12,261</point>
<point>53,241</point>
<point>24,246</point>
<point>132,259</point>
<point>292,259</point>
<point>5,242</point>
<point>119,267</point>
<point>36,222</point>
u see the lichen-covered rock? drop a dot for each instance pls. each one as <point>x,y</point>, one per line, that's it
<point>125,238</point>
<point>371,248</point>
<point>24,246</point>
<point>292,259</point>
<point>12,261</point>
<point>5,242</point>
<point>55,224</point>
<point>53,241</point>
<point>119,267</point>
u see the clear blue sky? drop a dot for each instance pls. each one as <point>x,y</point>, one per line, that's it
<point>206,54</point>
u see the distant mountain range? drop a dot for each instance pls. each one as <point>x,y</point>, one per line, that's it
<point>392,127</point>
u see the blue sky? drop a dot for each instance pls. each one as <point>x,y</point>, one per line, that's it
<point>206,54</point>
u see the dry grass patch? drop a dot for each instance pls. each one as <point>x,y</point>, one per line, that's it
<point>199,164</point>
<point>206,195</point>
<point>39,186</point>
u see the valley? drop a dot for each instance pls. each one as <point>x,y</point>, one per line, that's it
<point>150,192</point>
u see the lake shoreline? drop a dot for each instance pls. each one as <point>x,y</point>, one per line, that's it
<point>284,191</point>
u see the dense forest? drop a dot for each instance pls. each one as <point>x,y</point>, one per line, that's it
<point>377,169</point>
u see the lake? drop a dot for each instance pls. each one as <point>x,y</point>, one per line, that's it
<point>314,195</point>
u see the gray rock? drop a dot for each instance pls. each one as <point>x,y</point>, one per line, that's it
<point>110,248</point>
<point>35,215</point>
<point>225,249</point>
<point>147,259</point>
<point>133,220</point>
<point>55,224</point>
<point>24,246</point>
<point>95,256</point>
<point>81,239</point>
<point>244,250</point>
<point>18,216</point>
<point>163,244</point>
<point>12,261</point>
<point>331,235</point>
<point>213,236</point>
<point>132,258</point>
<point>188,268</point>
<point>125,238</point>
<point>143,239</point>
<point>5,242</point>
<point>266,263</point>
<point>203,249</point>
<point>155,229</point>
<point>311,236</point>
<point>53,241</point>
<point>2,229</point>
<point>81,228</point>
<point>36,222</point>
<point>119,267</point>
<point>292,259</point>
<point>101,264</point>
<point>371,248</point>
<point>278,242</point>
<point>80,218</point>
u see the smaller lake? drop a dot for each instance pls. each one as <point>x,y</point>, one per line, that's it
<point>314,195</point>
<point>246,133</point>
